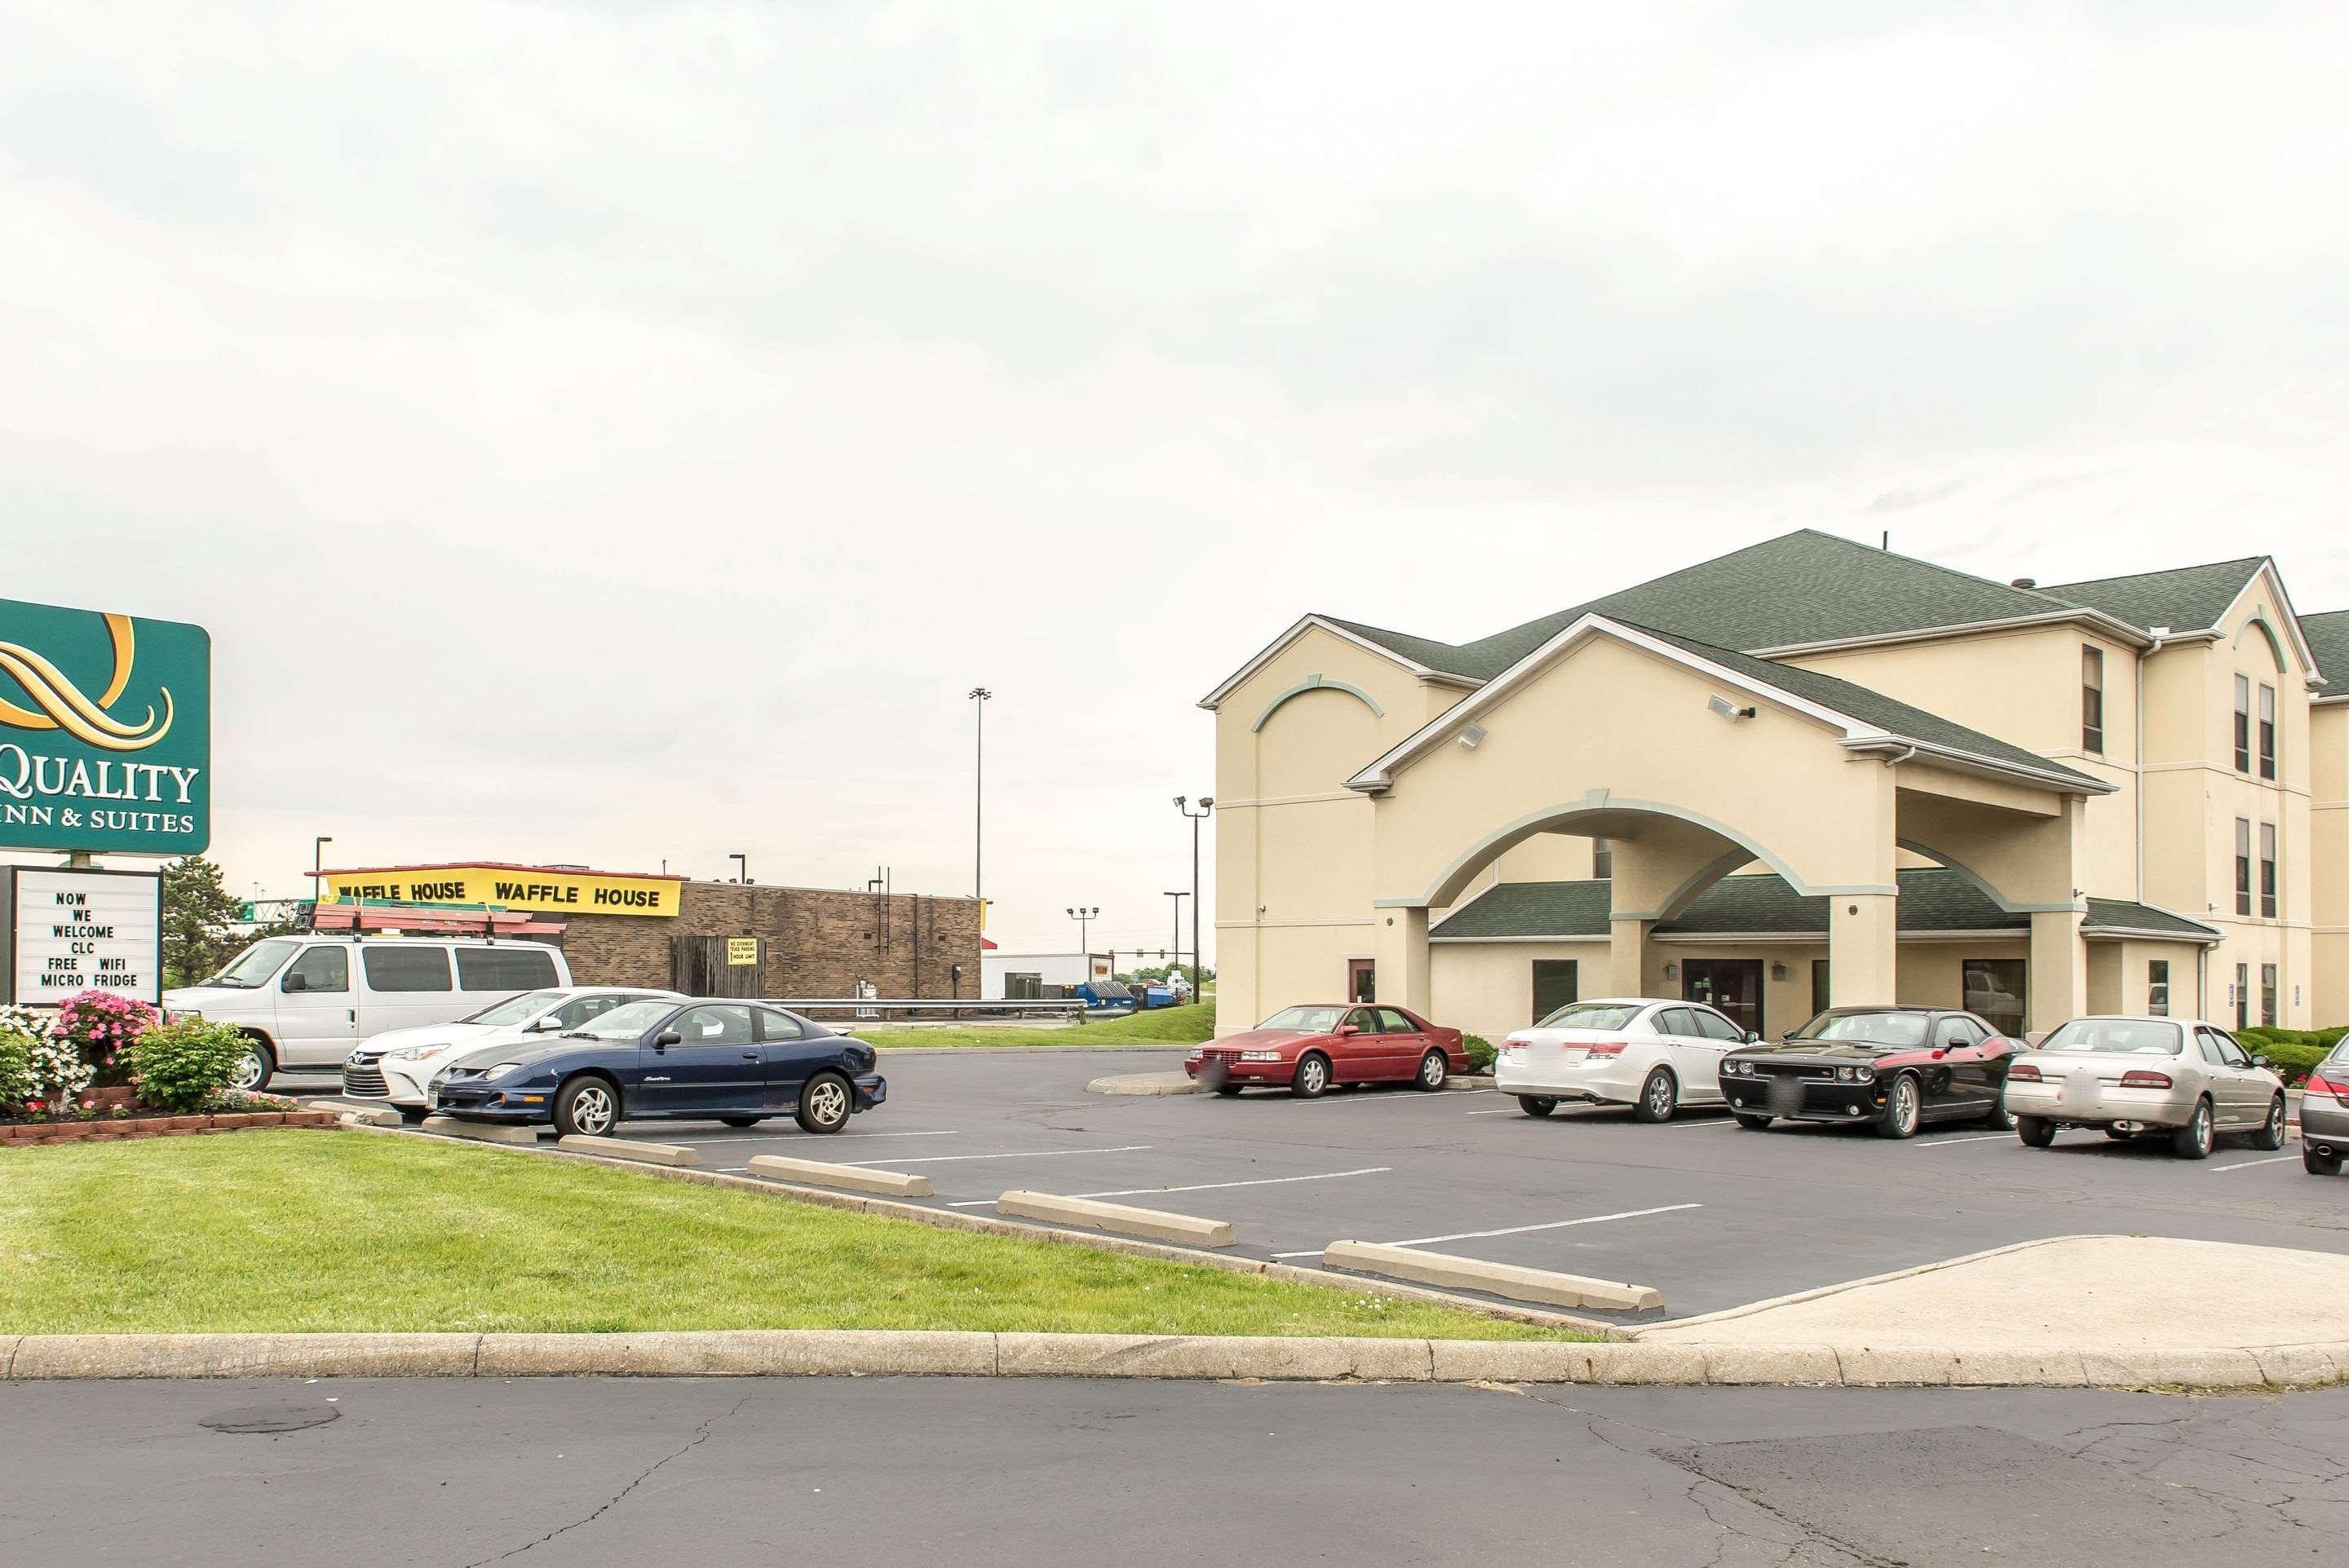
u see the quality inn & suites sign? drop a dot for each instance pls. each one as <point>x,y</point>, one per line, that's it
<point>105,732</point>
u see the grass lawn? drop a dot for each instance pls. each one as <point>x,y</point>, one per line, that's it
<point>1162,1027</point>
<point>309,1232</point>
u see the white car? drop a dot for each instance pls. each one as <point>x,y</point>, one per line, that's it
<point>399,1066</point>
<point>1652,1054</point>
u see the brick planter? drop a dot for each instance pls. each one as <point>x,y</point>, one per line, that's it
<point>112,1131</point>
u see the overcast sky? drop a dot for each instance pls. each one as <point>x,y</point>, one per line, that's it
<point>615,432</point>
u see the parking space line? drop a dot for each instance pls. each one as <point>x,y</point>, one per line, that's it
<point>770,1136</point>
<point>1716,1121</point>
<point>1512,1110</point>
<point>1032,1154</point>
<point>1982,1138</point>
<point>1201,1186</point>
<point>1552,1225</point>
<point>2247,1164</point>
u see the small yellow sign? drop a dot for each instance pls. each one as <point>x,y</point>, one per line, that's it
<point>741,950</point>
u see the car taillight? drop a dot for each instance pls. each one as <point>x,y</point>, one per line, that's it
<point>2319,1084</point>
<point>2140,1078</point>
<point>1608,1049</point>
<point>2022,1072</point>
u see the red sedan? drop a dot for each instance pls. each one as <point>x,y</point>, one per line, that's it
<point>1307,1049</point>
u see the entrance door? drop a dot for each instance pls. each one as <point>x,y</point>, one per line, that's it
<point>1361,980</point>
<point>1734,985</point>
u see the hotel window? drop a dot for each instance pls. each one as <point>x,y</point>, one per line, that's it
<point>2157,987</point>
<point>2267,732</point>
<point>2242,865</point>
<point>2268,869</point>
<point>1602,859</point>
<point>1556,982</point>
<point>2267,995</point>
<point>1994,987</point>
<point>2242,989</point>
<point>2092,700</point>
<point>2242,723</point>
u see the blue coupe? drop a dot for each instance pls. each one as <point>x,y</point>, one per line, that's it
<point>709,1060</point>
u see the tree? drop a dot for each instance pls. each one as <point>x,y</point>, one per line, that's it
<point>199,914</point>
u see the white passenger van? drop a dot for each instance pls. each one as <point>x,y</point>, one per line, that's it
<point>305,1001</point>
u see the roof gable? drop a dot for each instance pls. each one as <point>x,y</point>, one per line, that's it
<point>2184,599</point>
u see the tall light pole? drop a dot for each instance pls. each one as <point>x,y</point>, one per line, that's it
<point>1178,896</point>
<point>317,864</point>
<point>1085,917</point>
<point>1198,954</point>
<point>741,869</point>
<point>978,697</point>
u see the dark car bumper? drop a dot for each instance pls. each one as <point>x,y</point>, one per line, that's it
<point>871,1089</point>
<point>494,1102</point>
<point>1807,1093</point>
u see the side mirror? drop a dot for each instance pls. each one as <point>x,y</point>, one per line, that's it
<point>541,1026</point>
<point>2261,1062</point>
<point>295,983</point>
<point>1752,1036</point>
<point>667,1038</point>
<point>1346,1029</point>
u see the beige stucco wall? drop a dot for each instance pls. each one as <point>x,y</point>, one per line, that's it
<point>2328,857</point>
<point>1487,987</point>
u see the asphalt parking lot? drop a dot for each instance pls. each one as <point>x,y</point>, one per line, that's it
<point>1711,1214</point>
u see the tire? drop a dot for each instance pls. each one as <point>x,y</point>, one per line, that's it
<point>740,1120</point>
<point>1535,1105</point>
<point>1312,1079</point>
<point>2036,1132</point>
<point>410,1115</point>
<point>825,1103</point>
<point>2270,1136</point>
<point>1751,1123</point>
<point>252,1072</point>
<point>1432,1070</point>
<point>587,1107</point>
<point>2317,1164</point>
<point>2000,1118</point>
<point>2118,1134</point>
<point>2192,1141</point>
<point>1904,1109</point>
<point>1228,1090</point>
<point>1659,1097</point>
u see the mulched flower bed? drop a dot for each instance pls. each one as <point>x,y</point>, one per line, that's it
<point>108,1130</point>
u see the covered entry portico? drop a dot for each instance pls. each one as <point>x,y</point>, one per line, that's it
<point>1696,763</point>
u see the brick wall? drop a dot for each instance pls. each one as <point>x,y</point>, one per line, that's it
<point>820,941</point>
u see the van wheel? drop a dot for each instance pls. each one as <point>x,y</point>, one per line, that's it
<point>1536,1104</point>
<point>252,1068</point>
<point>2192,1141</point>
<point>824,1103</point>
<point>1659,1097</point>
<point>587,1107</point>
<point>2270,1133</point>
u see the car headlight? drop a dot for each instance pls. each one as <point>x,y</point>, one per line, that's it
<point>413,1053</point>
<point>1847,1074</point>
<point>500,1070</point>
<point>1260,1056</point>
<point>1865,1075</point>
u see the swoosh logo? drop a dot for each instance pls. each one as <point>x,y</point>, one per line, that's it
<point>61,705</point>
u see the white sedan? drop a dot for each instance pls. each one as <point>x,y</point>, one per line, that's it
<point>397,1064</point>
<point>1652,1054</point>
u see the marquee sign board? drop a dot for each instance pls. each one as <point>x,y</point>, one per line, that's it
<point>105,732</point>
<point>72,931</point>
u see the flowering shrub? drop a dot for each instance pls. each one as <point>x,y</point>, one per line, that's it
<point>235,1101</point>
<point>59,1075</point>
<point>100,1024</point>
<point>20,1031</point>
<point>179,1066</point>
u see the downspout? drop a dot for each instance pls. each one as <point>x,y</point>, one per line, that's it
<point>2160,636</point>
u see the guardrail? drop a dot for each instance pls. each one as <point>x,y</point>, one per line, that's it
<point>875,1009</point>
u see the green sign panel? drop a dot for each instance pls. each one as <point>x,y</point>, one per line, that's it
<point>106,732</point>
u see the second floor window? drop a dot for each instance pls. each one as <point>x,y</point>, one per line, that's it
<point>2242,865</point>
<point>2242,723</point>
<point>2268,869</point>
<point>2267,732</point>
<point>1602,858</point>
<point>2092,700</point>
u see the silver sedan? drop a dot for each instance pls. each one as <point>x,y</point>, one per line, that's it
<point>2183,1078</point>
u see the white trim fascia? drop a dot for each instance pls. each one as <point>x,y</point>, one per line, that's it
<point>1269,925</point>
<point>2329,701</point>
<point>1380,774</point>
<point>2119,630</point>
<point>2132,934</point>
<point>1307,622</point>
<point>2266,568</point>
<point>1974,762</point>
<point>1552,939</point>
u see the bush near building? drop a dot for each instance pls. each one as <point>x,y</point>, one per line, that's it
<point>2293,1053</point>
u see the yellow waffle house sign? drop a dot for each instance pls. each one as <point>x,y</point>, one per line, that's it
<point>538,889</point>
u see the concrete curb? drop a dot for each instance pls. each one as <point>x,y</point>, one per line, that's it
<point>631,1149</point>
<point>1496,1279</point>
<point>479,1131</point>
<point>1177,1082</point>
<point>1158,1224</point>
<point>817,1352</point>
<point>856,1177</point>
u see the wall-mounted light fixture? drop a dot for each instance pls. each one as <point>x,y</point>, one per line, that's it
<point>1472,736</point>
<point>1777,972</point>
<point>1722,708</point>
<point>1672,971</point>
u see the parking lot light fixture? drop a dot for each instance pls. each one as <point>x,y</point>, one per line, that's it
<point>1198,955</point>
<point>1085,917</point>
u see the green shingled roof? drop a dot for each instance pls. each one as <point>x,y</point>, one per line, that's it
<point>1932,900</point>
<point>2188,598</point>
<point>2328,639</point>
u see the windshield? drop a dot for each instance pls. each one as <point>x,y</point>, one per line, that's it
<point>1312,1020</point>
<point>2125,1037</point>
<point>252,967</point>
<point>1876,1028</point>
<point>624,1022</point>
<point>514,1009</point>
<point>1591,1016</point>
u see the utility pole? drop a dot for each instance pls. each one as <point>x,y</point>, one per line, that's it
<point>1198,954</point>
<point>1178,896</point>
<point>978,697</point>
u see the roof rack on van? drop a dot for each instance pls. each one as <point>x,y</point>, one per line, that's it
<point>359,916</point>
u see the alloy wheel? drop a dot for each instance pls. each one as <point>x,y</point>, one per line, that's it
<point>1431,1071</point>
<point>828,1102</point>
<point>1313,1076</point>
<point>248,1071</point>
<point>591,1110</point>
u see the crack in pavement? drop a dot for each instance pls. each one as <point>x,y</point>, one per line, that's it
<point>700,1435</point>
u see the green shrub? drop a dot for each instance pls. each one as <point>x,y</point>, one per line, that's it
<point>180,1066</point>
<point>1480,1053</point>
<point>2291,1060</point>
<point>17,1081</point>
